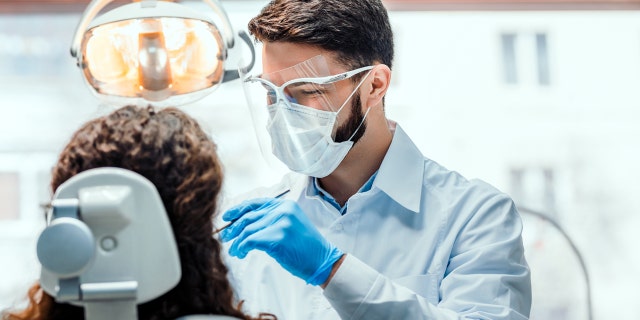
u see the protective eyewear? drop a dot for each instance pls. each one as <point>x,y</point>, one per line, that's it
<point>304,91</point>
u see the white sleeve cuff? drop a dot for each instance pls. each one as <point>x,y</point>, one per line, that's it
<point>350,286</point>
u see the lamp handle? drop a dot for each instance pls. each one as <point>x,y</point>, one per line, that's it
<point>235,73</point>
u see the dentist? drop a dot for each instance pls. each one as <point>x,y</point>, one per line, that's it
<point>365,227</point>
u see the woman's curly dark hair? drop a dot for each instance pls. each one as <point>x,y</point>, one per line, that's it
<point>170,149</point>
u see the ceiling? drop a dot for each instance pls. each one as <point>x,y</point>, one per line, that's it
<point>74,6</point>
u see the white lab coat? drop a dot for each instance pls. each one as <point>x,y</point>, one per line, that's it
<point>422,243</point>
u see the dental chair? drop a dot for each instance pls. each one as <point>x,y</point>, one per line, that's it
<point>108,245</point>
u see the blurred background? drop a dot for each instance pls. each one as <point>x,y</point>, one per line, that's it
<point>539,98</point>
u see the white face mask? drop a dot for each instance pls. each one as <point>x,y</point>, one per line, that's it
<point>301,137</point>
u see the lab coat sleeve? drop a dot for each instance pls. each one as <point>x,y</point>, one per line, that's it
<point>486,276</point>
<point>357,291</point>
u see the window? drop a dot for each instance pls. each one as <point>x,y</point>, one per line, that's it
<point>518,53</point>
<point>26,51</point>
<point>542,59</point>
<point>9,196</point>
<point>509,58</point>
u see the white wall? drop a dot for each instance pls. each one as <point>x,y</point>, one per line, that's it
<point>450,96</point>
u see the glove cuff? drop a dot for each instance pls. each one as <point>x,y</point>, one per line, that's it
<point>323,272</point>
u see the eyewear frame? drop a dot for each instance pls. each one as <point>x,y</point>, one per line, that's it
<point>279,90</point>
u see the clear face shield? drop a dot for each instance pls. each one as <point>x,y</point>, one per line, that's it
<point>299,108</point>
<point>153,52</point>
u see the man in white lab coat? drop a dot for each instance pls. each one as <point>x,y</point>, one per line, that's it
<point>365,227</point>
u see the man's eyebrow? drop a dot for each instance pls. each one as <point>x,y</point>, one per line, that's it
<point>297,84</point>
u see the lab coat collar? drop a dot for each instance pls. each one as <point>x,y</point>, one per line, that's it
<point>400,175</point>
<point>402,171</point>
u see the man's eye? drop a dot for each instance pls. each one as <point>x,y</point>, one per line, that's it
<point>311,89</point>
<point>312,92</point>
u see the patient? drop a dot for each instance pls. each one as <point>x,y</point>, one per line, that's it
<point>170,149</point>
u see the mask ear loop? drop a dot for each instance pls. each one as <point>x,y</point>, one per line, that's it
<point>361,123</point>
<point>349,98</point>
<point>354,91</point>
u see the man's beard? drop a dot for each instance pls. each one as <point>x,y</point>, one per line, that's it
<point>356,116</point>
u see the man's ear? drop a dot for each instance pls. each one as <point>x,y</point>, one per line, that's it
<point>380,78</point>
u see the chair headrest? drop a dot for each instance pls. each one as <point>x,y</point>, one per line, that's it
<point>108,238</point>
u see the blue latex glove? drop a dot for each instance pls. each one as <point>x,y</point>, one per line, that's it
<point>280,228</point>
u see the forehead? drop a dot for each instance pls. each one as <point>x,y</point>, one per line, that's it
<point>277,56</point>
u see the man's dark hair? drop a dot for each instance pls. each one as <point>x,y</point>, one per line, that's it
<point>357,30</point>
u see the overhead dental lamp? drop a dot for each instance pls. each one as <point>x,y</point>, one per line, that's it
<point>155,52</point>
